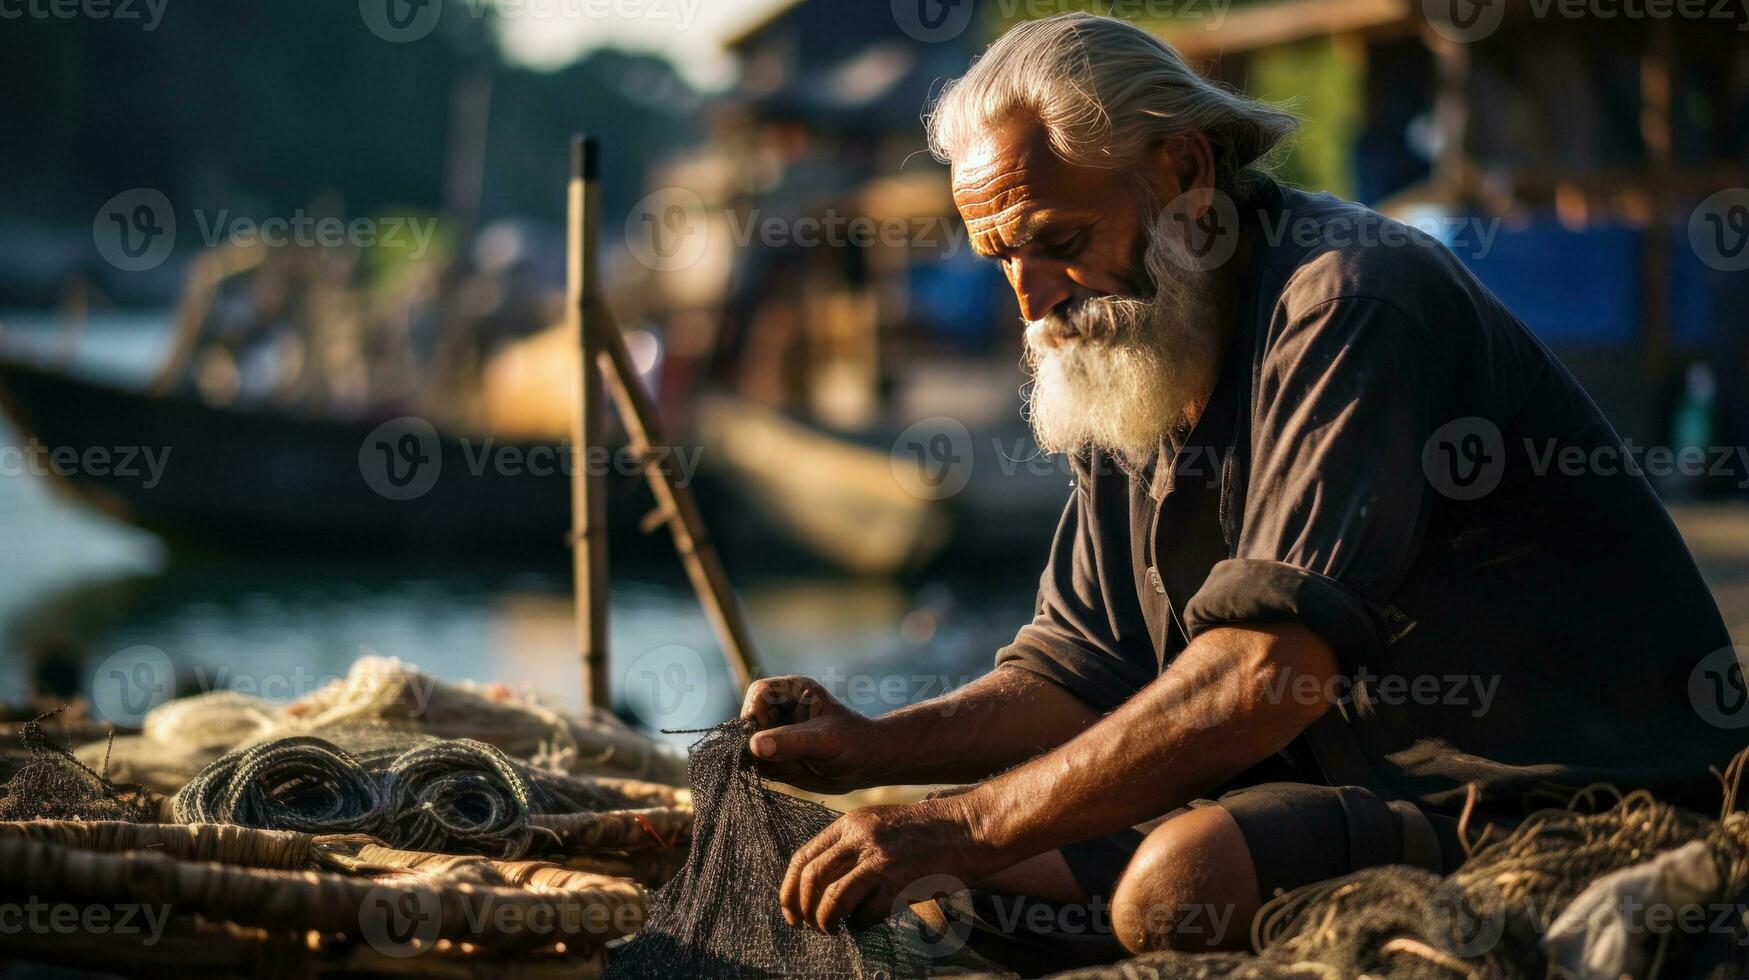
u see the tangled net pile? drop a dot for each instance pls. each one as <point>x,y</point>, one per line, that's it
<point>720,917</point>
<point>53,783</point>
<point>180,738</point>
<point>1497,915</point>
<point>457,796</point>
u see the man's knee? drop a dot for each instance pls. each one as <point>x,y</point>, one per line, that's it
<point>1190,886</point>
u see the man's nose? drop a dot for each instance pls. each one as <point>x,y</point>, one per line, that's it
<point>1040,285</point>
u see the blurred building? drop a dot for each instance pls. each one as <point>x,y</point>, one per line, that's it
<point>1564,158</point>
<point>1599,144</point>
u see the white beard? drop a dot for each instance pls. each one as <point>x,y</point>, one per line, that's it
<point>1139,370</point>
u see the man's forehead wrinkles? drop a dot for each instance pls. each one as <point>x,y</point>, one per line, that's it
<point>1004,229</point>
<point>1001,215</point>
<point>995,201</point>
<point>983,179</point>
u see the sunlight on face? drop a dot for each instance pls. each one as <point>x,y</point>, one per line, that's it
<point>1122,338</point>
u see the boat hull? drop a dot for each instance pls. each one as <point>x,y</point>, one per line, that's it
<point>268,480</point>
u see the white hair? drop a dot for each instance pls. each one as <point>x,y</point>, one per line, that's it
<point>1140,369</point>
<point>1105,91</point>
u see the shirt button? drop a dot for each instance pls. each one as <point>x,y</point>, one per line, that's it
<point>1154,581</point>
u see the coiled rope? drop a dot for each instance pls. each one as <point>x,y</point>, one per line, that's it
<point>303,783</point>
<point>458,795</point>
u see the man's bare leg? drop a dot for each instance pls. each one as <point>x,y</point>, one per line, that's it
<point>1191,887</point>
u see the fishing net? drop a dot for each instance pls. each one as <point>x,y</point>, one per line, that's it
<point>457,796</point>
<point>380,691</point>
<point>214,720</point>
<point>1493,916</point>
<point>303,784</point>
<point>421,764</point>
<point>719,917</point>
<point>180,738</point>
<point>53,784</point>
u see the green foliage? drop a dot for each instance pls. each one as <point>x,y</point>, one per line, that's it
<point>1322,82</point>
<point>264,108</point>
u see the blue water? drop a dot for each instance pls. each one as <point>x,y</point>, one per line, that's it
<point>84,598</point>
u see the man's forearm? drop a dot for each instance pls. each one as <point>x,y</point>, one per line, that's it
<point>1233,698</point>
<point>990,725</point>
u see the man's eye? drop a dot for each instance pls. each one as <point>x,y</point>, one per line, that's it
<point>1065,246</point>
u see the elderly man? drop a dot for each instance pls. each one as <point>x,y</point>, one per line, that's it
<point>1318,583</point>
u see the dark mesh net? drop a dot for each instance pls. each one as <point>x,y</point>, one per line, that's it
<point>53,785</point>
<point>720,917</point>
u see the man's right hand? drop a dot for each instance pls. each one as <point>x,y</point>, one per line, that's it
<point>806,738</point>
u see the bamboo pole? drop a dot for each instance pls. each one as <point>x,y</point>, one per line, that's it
<point>604,350</point>
<point>676,506</point>
<point>588,537</point>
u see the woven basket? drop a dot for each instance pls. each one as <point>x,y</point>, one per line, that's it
<point>223,899</point>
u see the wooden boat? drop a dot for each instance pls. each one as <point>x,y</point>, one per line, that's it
<point>269,479</point>
<point>883,502</point>
<point>837,498</point>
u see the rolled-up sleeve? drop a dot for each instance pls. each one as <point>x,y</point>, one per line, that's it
<point>1087,634</point>
<point>1336,499</point>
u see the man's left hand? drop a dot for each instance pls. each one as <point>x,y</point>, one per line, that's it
<point>858,867</point>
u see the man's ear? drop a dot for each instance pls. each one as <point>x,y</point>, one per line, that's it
<point>1181,163</point>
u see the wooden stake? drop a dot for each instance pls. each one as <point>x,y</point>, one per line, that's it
<point>588,489</point>
<point>604,350</point>
<point>675,504</point>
